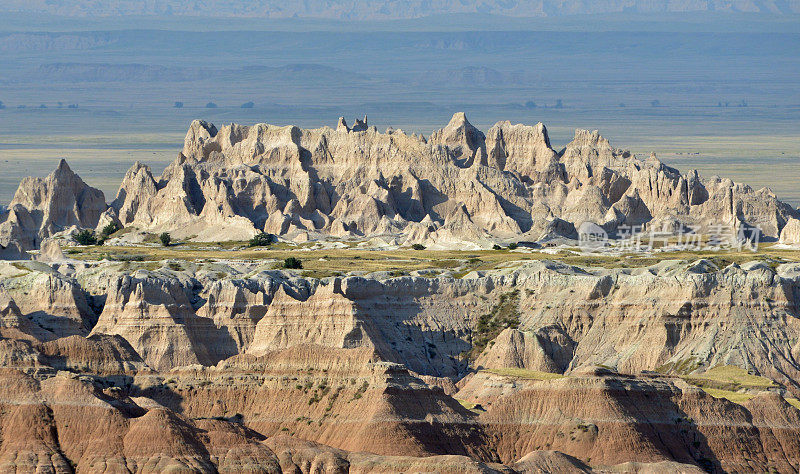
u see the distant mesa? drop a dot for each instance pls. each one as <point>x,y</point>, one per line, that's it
<point>459,188</point>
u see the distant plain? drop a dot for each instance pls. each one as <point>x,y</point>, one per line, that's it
<point>719,96</point>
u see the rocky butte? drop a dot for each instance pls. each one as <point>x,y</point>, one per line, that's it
<point>459,188</point>
<point>145,359</point>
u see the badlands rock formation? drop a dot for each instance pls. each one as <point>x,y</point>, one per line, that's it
<point>458,187</point>
<point>230,365</point>
<point>203,370</point>
<point>43,207</point>
<point>791,232</point>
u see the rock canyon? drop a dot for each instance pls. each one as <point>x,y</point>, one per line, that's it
<point>404,304</point>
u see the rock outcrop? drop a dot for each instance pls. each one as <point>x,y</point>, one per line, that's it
<point>459,188</point>
<point>791,232</point>
<point>213,364</point>
<point>181,367</point>
<point>43,207</point>
<point>599,419</point>
<point>357,182</point>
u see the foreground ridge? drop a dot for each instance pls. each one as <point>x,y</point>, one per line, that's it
<point>458,188</point>
<point>185,366</point>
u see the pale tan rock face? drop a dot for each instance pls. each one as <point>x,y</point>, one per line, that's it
<point>50,251</point>
<point>458,186</point>
<point>326,318</point>
<point>14,325</point>
<point>55,304</point>
<point>791,232</point>
<point>156,317</point>
<point>672,314</point>
<point>275,372</point>
<point>43,207</point>
<point>548,349</point>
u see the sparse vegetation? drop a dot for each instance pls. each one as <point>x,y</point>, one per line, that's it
<point>361,390</point>
<point>524,373</point>
<point>735,397</point>
<point>107,231</point>
<point>86,237</point>
<point>793,402</point>
<point>512,246</point>
<point>475,407</point>
<point>323,262</point>
<point>122,257</point>
<point>729,378</point>
<point>111,229</point>
<point>262,240</point>
<point>165,239</point>
<point>418,247</point>
<point>293,263</point>
<point>503,315</point>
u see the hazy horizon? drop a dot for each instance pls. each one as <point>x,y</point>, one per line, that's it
<point>386,9</point>
<point>713,90</point>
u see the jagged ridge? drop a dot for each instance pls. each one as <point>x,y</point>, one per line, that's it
<point>459,187</point>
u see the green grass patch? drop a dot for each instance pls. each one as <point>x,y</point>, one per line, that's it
<point>505,314</point>
<point>526,374</point>
<point>680,367</point>
<point>735,397</point>
<point>793,402</point>
<point>476,408</point>
<point>466,404</point>
<point>729,378</point>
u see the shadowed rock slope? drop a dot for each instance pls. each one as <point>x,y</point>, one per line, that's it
<point>590,369</point>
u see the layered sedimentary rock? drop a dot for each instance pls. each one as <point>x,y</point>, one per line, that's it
<point>43,207</point>
<point>791,232</point>
<point>533,366</point>
<point>461,186</point>
<point>671,314</point>
<point>601,418</point>
<point>55,303</point>
<point>186,368</point>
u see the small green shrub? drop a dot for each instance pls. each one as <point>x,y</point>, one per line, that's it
<point>418,247</point>
<point>110,229</point>
<point>512,246</point>
<point>293,263</point>
<point>360,392</point>
<point>262,240</point>
<point>165,239</point>
<point>86,237</point>
<point>496,247</point>
<point>125,257</point>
